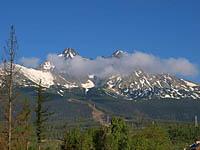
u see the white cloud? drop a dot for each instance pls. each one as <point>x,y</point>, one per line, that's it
<point>32,62</point>
<point>103,67</point>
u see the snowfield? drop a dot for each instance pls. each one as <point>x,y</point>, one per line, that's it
<point>35,76</point>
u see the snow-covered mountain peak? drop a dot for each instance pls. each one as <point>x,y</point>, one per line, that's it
<point>119,53</point>
<point>47,66</point>
<point>69,53</point>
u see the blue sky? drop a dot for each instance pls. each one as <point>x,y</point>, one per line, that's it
<point>164,28</point>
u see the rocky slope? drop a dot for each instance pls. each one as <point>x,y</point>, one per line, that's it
<point>143,85</point>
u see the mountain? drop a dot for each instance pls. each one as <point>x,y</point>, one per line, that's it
<point>156,96</point>
<point>119,53</point>
<point>137,85</point>
<point>68,53</point>
<point>148,86</point>
<point>51,79</point>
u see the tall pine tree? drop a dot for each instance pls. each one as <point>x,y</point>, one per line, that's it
<point>42,115</point>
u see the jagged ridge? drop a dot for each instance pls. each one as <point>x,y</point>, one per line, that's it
<point>148,86</point>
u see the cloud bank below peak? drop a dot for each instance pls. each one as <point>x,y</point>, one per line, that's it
<point>105,67</point>
<point>32,62</point>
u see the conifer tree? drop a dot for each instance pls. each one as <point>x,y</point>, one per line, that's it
<point>42,115</point>
<point>23,127</point>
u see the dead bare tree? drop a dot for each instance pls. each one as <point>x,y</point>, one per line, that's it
<point>8,84</point>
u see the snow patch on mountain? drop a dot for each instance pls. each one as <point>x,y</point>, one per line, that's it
<point>143,85</point>
<point>88,84</point>
<point>189,83</point>
<point>47,65</point>
<point>35,76</point>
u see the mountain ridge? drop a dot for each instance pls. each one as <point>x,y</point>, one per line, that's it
<point>137,85</point>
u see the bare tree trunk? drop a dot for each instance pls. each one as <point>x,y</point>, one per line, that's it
<point>9,72</point>
<point>11,61</point>
<point>10,126</point>
<point>39,146</point>
<point>27,145</point>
